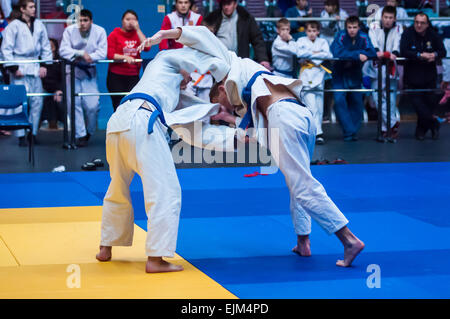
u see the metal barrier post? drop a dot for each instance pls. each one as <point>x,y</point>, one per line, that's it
<point>380,102</point>
<point>66,143</point>
<point>388,102</point>
<point>72,106</point>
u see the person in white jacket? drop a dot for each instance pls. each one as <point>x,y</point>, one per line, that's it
<point>84,43</point>
<point>386,41</point>
<point>272,106</point>
<point>284,50</point>
<point>401,15</point>
<point>136,142</point>
<point>331,28</point>
<point>312,51</point>
<point>26,38</point>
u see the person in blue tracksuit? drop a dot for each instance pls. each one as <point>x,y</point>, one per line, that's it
<point>354,48</point>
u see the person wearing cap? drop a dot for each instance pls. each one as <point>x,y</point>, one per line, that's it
<point>237,29</point>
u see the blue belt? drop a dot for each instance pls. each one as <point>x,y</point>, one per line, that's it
<point>247,120</point>
<point>158,113</point>
<point>288,73</point>
<point>292,100</point>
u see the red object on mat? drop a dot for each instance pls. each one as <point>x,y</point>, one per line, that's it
<point>254,174</point>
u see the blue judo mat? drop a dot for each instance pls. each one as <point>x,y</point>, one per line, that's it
<point>238,230</point>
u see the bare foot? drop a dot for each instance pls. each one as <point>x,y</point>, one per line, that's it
<point>303,247</point>
<point>350,252</point>
<point>157,264</point>
<point>104,254</point>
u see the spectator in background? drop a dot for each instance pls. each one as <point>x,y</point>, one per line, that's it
<point>26,38</point>
<point>330,28</point>
<point>83,44</point>
<point>269,28</point>
<point>422,46</point>
<point>180,17</point>
<point>122,45</point>
<point>284,50</point>
<point>301,9</point>
<point>237,29</point>
<point>312,50</point>
<point>53,83</point>
<point>400,15</point>
<point>386,41</point>
<point>6,7</point>
<point>355,48</point>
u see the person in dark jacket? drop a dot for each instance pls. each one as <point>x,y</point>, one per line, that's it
<point>52,83</point>
<point>421,45</point>
<point>237,29</point>
<point>354,48</point>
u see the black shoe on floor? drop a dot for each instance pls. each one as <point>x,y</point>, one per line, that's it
<point>82,141</point>
<point>435,132</point>
<point>22,141</point>
<point>320,140</point>
<point>89,166</point>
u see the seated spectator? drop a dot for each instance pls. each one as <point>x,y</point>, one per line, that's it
<point>53,83</point>
<point>401,14</point>
<point>269,28</point>
<point>237,29</point>
<point>122,45</point>
<point>301,9</point>
<point>422,46</point>
<point>362,5</point>
<point>313,50</point>
<point>284,49</point>
<point>330,28</point>
<point>182,16</point>
<point>354,48</point>
<point>84,43</point>
<point>386,41</point>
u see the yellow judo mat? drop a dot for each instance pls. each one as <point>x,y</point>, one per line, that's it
<point>50,253</point>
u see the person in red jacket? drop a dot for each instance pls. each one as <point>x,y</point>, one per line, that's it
<point>122,45</point>
<point>180,17</point>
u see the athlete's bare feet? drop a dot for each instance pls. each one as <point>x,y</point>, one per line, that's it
<point>157,264</point>
<point>303,247</point>
<point>104,254</point>
<point>352,246</point>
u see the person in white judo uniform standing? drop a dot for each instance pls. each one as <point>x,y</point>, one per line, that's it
<point>136,142</point>
<point>271,103</point>
<point>84,43</point>
<point>26,38</point>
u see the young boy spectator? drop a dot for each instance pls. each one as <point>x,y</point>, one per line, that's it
<point>301,9</point>
<point>354,48</point>
<point>400,14</point>
<point>313,50</point>
<point>284,49</point>
<point>386,41</point>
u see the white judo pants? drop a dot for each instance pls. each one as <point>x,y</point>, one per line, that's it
<point>314,101</point>
<point>86,107</point>
<point>33,84</point>
<point>395,115</point>
<point>294,149</point>
<point>135,151</point>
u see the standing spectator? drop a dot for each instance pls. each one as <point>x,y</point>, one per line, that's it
<point>6,7</point>
<point>331,28</point>
<point>312,50</point>
<point>301,9</point>
<point>355,48</point>
<point>237,29</point>
<point>26,38</point>
<point>284,49</point>
<point>180,17</point>
<point>421,45</point>
<point>83,44</point>
<point>122,45</point>
<point>52,83</point>
<point>400,15</point>
<point>386,41</point>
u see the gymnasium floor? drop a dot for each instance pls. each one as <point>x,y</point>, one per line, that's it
<point>235,236</point>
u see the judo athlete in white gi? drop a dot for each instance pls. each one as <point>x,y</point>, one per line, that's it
<point>386,41</point>
<point>284,50</point>
<point>271,102</point>
<point>26,38</point>
<point>313,50</point>
<point>136,142</point>
<point>84,43</point>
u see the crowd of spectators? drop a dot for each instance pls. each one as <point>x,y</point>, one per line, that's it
<point>339,52</point>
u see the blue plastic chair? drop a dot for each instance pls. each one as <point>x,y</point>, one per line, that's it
<point>11,97</point>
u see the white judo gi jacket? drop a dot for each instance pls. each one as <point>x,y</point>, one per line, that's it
<point>283,54</point>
